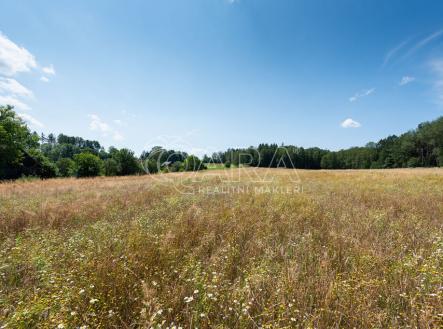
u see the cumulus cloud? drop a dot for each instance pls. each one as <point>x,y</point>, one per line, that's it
<point>13,87</point>
<point>13,101</point>
<point>97,124</point>
<point>31,120</point>
<point>44,79</point>
<point>405,80</point>
<point>13,58</point>
<point>49,69</point>
<point>349,123</point>
<point>361,94</point>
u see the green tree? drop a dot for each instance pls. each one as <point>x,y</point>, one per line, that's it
<point>36,164</point>
<point>111,167</point>
<point>88,165</point>
<point>16,141</point>
<point>127,162</point>
<point>193,163</point>
<point>66,167</point>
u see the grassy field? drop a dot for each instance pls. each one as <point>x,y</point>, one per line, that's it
<point>353,249</point>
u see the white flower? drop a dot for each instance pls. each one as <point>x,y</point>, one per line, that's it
<point>61,326</point>
<point>93,301</point>
<point>82,291</point>
<point>195,291</point>
<point>73,313</point>
<point>202,315</point>
<point>189,299</point>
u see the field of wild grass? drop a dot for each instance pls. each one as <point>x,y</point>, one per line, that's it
<point>357,249</point>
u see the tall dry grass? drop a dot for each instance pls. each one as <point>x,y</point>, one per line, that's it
<point>354,249</point>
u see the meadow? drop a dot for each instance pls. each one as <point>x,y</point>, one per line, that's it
<point>351,249</point>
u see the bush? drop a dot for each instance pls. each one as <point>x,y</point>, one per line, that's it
<point>66,167</point>
<point>176,166</point>
<point>88,165</point>
<point>111,167</point>
<point>150,166</point>
<point>193,163</point>
<point>127,162</point>
<point>36,164</point>
<point>228,164</point>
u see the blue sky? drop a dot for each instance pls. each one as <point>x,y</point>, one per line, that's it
<point>204,75</point>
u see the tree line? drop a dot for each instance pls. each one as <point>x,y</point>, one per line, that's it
<point>25,153</point>
<point>421,147</point>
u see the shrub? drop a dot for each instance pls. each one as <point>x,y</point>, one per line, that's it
<point>193,163</point>
<point>88,165</point>
<point>111,167</point>
<point>127,162</point>
<point>66,167</point>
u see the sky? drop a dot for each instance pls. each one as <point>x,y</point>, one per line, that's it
<point>204,75</point>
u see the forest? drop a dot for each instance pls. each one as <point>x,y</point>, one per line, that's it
<point>27,154</point>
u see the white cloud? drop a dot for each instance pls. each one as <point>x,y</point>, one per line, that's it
<point>392,52</point>
<point>13,87</point>
<point>349,123</point>
<point>49,69</point>
<point>13,58</point>
<point>405,80</point>
<point>424,42</point>
<point>360,94</point>
<point>11,100</point>
<point>44,79</point>
<point>117,136</point>
<point>31,120</point>
<point>97,124</point>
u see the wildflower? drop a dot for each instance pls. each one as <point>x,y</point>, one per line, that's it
<point>61,326</point>
<point>73,313</point>
<point>189,299</point>
<point>202,315</point>
<point>293,319</point>
<point>210,295</point>
<point>82,291</point>
<point>93,301</point>
<point>195,291</point>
